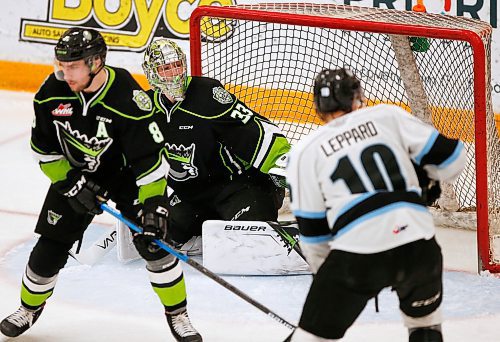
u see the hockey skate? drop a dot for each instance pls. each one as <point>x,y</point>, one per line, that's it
<point>181,327</point>
<point>20,321</point>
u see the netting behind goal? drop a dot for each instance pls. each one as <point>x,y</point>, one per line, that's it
<point>269,54</point>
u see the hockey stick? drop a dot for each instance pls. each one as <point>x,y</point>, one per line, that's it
<point>199,267</point>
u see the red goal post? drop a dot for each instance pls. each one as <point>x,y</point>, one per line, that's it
<point>268,54</point>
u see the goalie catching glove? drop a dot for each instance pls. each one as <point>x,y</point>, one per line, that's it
<point>431,189</point>
<point>154,221</point>
<point>84,196</point>
<point>278,172</point>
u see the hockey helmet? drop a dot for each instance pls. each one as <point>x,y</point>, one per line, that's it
<point>161,57</point>
<point>80,43</point>
<point>335,90</point>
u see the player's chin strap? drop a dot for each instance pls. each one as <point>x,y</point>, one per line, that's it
<point>165,246</point>
<point>93,74</point>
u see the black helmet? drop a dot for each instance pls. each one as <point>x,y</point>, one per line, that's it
<point>335,90</point>
<point>80,43</point>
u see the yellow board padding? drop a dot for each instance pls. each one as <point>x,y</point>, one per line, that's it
<point>298,107</point>
<point>288,105</point>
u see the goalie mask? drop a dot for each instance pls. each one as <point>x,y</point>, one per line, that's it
<point>80,43</point>
<point>336,90</point>
<point>165,68</point>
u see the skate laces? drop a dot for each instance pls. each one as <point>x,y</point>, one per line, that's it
<point>21,317</point>
<point>182,324</point>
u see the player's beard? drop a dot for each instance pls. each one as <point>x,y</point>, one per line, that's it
<point>80,85</point>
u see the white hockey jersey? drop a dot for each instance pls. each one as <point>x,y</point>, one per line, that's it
<point>352,181</point>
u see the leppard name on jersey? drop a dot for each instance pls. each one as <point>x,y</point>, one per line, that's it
<point>361,132</point>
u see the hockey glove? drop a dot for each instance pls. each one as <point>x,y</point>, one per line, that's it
<point>278,172</point>
<point>154,220</point>
<point>431,193</point>
<point>431,189</point>
<point>82,193</point>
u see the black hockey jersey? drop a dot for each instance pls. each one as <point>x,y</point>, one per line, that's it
<point>100,134</point>
<point>211,136</point>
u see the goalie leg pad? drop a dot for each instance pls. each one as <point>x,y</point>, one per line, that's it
<point>249,248</point>
<point>125,248</point>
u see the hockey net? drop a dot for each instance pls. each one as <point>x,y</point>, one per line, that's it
<point>436,66</point>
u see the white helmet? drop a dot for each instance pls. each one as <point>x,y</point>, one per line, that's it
<point>158,59</point>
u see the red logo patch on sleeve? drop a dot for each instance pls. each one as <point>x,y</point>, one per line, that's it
<point>63,110</point>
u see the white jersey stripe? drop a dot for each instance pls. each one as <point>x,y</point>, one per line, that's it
<point>160,172</point>
<point>166,277</point>
<point>46,158</point>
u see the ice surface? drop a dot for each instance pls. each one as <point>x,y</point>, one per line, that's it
<point>114,302</point>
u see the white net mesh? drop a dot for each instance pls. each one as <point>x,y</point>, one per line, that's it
<point>270,64</point>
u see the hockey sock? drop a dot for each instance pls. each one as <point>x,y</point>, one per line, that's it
<point>168,283</point>
<point>35,289</point>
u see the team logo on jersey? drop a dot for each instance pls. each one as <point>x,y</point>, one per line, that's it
<point>142,100</point>
<point>81,151</point>
<point>239,213</point>
<point>399,229</point>
<point>221,95</point>
<point>63,110</point>
<point>181,159</point>
<point>53,218</point>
